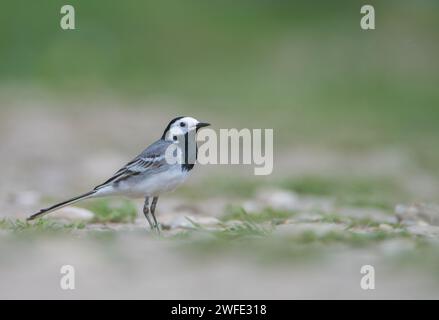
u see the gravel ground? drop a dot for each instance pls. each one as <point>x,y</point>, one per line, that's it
<point>282,244</point>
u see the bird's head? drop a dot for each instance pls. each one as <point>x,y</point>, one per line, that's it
<point>180,126</point>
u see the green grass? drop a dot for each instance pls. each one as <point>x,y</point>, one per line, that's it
<point>356,191</point>
<point>246,228</point>
<point>239,213</point>
<point>333,218</point>
<point>123,211</point>
<point>351,222</point>
<point>364,222</point>
<point>256,241</point>
<point>381,193</point>
<point>219,185</point>
<point>251,230</point>
<point>104,210</point>
<point>41,225</point>
<point>250,235</point>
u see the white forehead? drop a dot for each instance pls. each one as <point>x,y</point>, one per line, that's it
<point>188,120</point>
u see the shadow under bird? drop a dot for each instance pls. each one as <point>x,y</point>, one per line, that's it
<point>150,173</point>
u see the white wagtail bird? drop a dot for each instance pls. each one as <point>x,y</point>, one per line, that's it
<point>150,173</point>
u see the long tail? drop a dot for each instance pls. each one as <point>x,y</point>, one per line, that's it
<point>57,206</point>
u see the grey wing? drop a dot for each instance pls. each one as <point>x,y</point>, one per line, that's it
<point>151,158</point>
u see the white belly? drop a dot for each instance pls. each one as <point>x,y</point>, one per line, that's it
<point>152,185</point>
<point>161,182</point>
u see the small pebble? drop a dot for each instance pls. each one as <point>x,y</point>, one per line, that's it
<point>73,214</point>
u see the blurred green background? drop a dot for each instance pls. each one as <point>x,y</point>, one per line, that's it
<point>304,68</point>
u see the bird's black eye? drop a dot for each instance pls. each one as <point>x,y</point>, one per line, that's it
<point>182,124</point>
<point>175,138</point>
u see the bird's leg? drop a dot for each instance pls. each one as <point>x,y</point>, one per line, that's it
<point>153,205</point>
<point>146,212</point>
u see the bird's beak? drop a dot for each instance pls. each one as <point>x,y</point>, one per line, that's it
<point>202,125</point>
